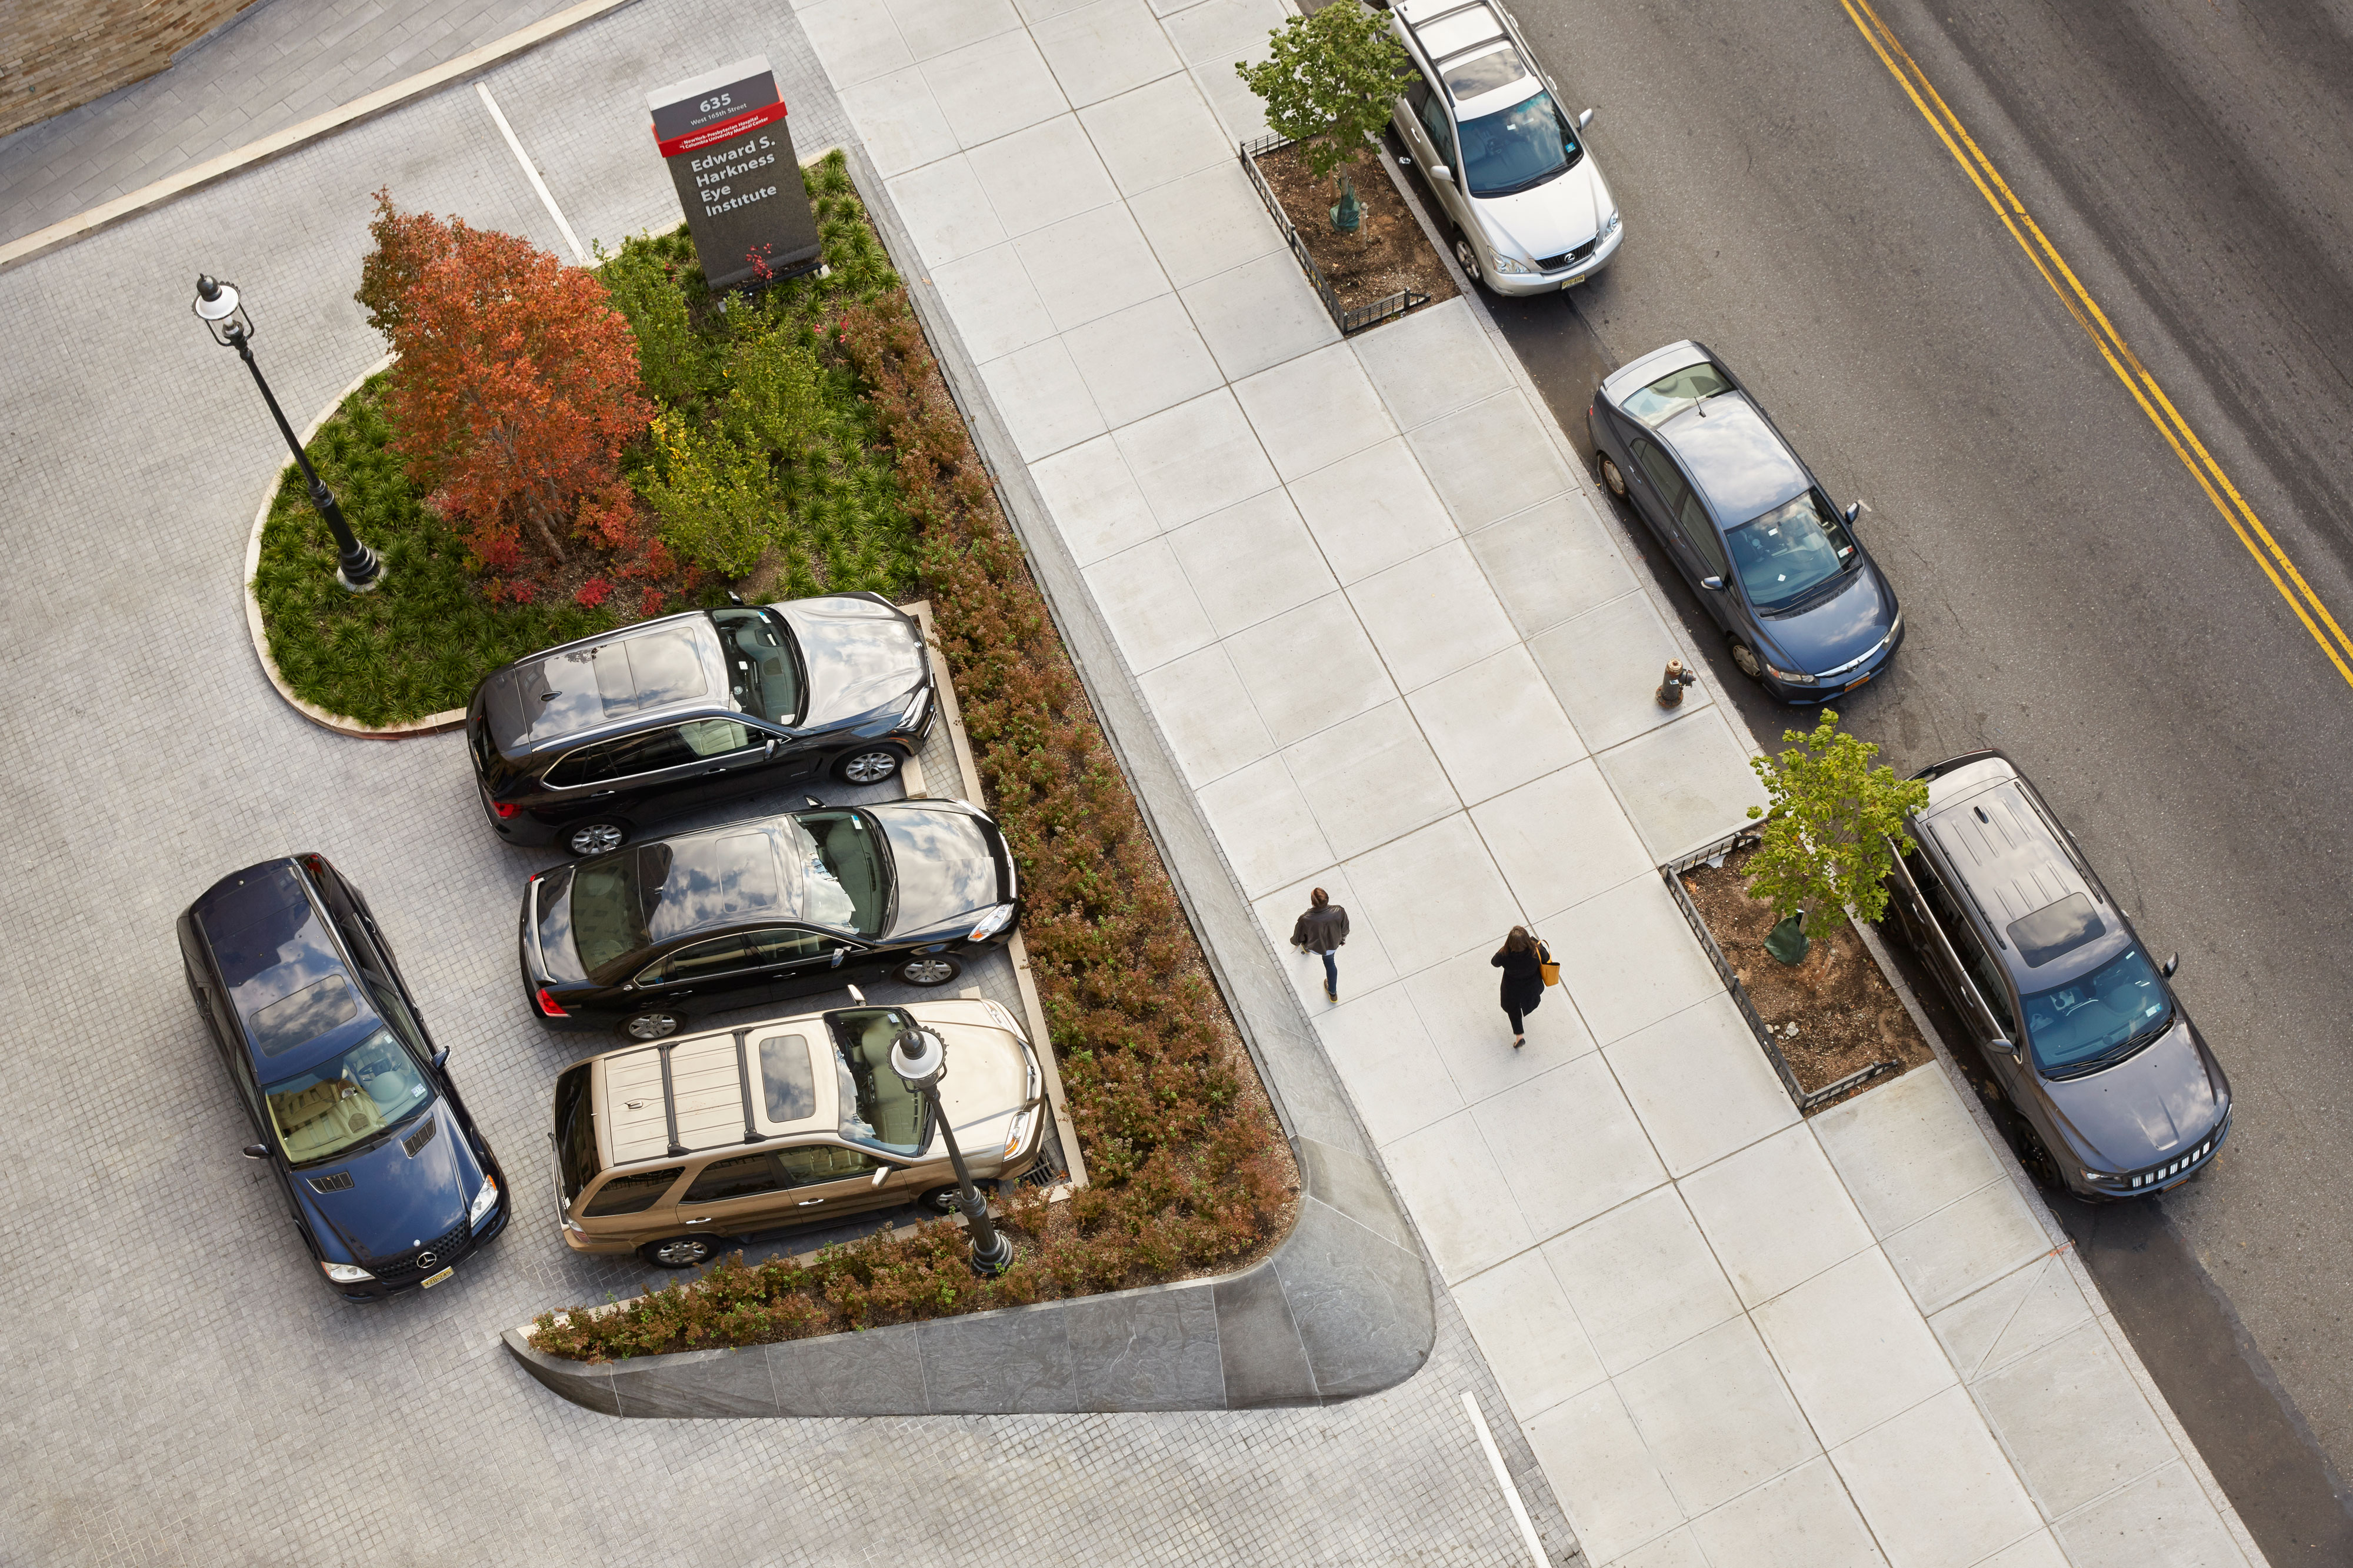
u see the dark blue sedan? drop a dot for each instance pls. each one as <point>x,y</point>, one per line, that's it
<point>385,1178</point>
<point>1804,609</point>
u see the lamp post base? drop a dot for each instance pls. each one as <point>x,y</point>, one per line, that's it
<point>365,584</point>
<point>988,1266</point>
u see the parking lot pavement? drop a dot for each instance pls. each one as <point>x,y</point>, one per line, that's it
<point>184,1391</point>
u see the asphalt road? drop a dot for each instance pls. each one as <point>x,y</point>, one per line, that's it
<point>2072,595</point>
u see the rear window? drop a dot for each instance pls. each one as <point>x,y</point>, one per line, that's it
<point>607,906</point>
<point>297,1020</point>
<point>1675,391</point>
<point>576,1132</point>
<point>631,1192</point>
<point>2056,929</point>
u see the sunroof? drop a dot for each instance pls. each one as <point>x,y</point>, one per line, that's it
<point>1485,73</point>
<point>298,1019</point>
<point>2056,929</point>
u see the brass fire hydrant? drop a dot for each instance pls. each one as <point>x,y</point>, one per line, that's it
<point>1670,689</point>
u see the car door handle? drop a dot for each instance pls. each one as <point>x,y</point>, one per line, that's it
<point>599,794</point>
<point>698,1222</point>
<point>708,772</point>
<point>808,1203</point>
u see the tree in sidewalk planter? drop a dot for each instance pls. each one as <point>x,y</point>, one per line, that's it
<point>1833,829</point>
<point>516,387</point>
<point>1327,84</point>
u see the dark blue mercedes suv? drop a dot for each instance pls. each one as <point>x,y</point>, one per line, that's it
<point>386,1179</point>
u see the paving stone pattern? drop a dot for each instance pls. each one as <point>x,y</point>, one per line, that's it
<point>1400,655</point>
<point>183,1392</point>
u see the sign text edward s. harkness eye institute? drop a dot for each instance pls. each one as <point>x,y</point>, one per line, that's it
<point>730,156</point>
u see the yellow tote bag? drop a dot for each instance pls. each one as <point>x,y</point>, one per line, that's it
<point>1546,966</point>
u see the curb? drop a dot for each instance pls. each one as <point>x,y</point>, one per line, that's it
<point>432,723</point>
<point>1344,1305</point>
<point>84,223</point>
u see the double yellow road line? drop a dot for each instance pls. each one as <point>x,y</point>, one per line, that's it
<point>2136,380</point>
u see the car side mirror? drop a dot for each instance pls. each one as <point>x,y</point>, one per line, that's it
<point>2172,962</point>
<point>256,1151</point>
<point>2005,1047</point>
<point>881,1175</point>
<point>1855,508</point>
<point>440,1058</point>
<point>735,598</point>
<point>770,749</point>
<point>812,803</point>
<point>1713,585</point>
<point>1585,120</point>
<point>1440,171</point>
<point>855,995</point>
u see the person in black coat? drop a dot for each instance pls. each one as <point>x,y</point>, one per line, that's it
<point>1520,958</point>
<point>1321,930</point>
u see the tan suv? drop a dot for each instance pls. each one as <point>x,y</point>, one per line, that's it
<point>674,1148</point>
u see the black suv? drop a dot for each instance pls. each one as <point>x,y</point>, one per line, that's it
<point>584,744</point>
<point>760,911</point>
<point>389,1184</point>
<point>2117,1092</point>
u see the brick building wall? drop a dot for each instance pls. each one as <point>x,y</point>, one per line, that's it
<point>55,54</point>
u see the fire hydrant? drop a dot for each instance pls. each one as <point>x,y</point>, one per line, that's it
<point>1670,689</point>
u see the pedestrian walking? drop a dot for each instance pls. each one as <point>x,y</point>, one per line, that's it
<point>1321,930</point>
<point>1522,959</point>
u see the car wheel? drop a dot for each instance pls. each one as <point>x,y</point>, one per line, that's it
<point>867,767</point>
<point>1745,657</point>
<point>601,836</point>
<point>1611,476</point>
<point>1466,258</point>
<point>679,1252</point>
<point>939,1200</point>
<point>2034,1154</point>
<point>930,969</point>
<point>654,1026</point>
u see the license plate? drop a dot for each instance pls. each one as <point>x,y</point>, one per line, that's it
<point>437,1278</point>
<point>1568,283</point>
<point>1851,684</point>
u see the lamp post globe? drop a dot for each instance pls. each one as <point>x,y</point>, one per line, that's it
<point>221,307</point>
<point>919,1057</point>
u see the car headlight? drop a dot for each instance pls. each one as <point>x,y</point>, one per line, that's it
<point>1020,1129</point>
<point>992,922</point>
<point>1611,226</point>
<point>345,1273</point>
<point>913,713</point>
<point>1505,264</point>
<point>1795,678</point>
<point>485,1201</point>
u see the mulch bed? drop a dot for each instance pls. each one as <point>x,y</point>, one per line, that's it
<point>1388,253</point>
<point>1847,1014</point>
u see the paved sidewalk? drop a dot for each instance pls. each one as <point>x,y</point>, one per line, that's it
<point>276,65</point>
<point>1401,657</point>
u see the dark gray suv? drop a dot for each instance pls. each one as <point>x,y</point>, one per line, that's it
<point>2117,1091</point>
<point>585,743</point>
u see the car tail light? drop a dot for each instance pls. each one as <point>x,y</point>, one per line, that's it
<point>547,1005</point>
<point>503,810</point>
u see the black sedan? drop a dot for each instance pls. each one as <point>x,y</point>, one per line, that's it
<point>389,1183</point>
<point>585,743</point>
<point>760,911</point>
<point>1803,608</point>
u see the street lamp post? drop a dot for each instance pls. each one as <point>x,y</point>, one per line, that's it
<point>219,308</point>
<point>921,1058</point>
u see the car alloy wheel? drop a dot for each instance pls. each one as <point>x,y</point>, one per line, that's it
<point>591,838</point>
<point>1468,260</point>
<point>679,1252</point>
<point>1745,657</point>
<point>868,767</point>
<point>651,1026</point>
<point>934,969</point>
<point>2036,1157</point>
<point>940,1200</point>
<point>1612,478</point>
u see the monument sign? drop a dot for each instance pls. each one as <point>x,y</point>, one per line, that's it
<point>724,136</point>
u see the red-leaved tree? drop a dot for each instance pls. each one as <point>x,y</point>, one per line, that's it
<point>517,382</point>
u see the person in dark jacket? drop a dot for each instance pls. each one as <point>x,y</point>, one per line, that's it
<point>1519,958</point>
<point>1321,930</point>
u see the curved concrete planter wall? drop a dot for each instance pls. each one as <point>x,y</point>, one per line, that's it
<point>1342,1308</point>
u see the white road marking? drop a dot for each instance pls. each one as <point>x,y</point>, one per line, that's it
<point>531,174</point>
<point>1504,1479</point>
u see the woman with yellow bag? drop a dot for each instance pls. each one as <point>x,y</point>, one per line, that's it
<point>1527,969</point>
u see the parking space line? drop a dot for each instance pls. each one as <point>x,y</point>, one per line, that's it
<point>2146,391</point>
<point>1504,1479</point>
<point>531,174</point>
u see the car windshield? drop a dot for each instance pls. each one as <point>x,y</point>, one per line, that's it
<point>764,669</point>
<point>343,1102</point>
<point>878,1109</point>
<point>845,880</point>
<point>1789,552</point>
<point>1675,391</point>
<point>2098,1018</point>
<point>1518,147</point>
<point>608,911</point>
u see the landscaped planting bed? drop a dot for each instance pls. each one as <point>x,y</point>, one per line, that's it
<point>801,441</point>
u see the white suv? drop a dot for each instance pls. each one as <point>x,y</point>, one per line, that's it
<point>1529,209</point>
